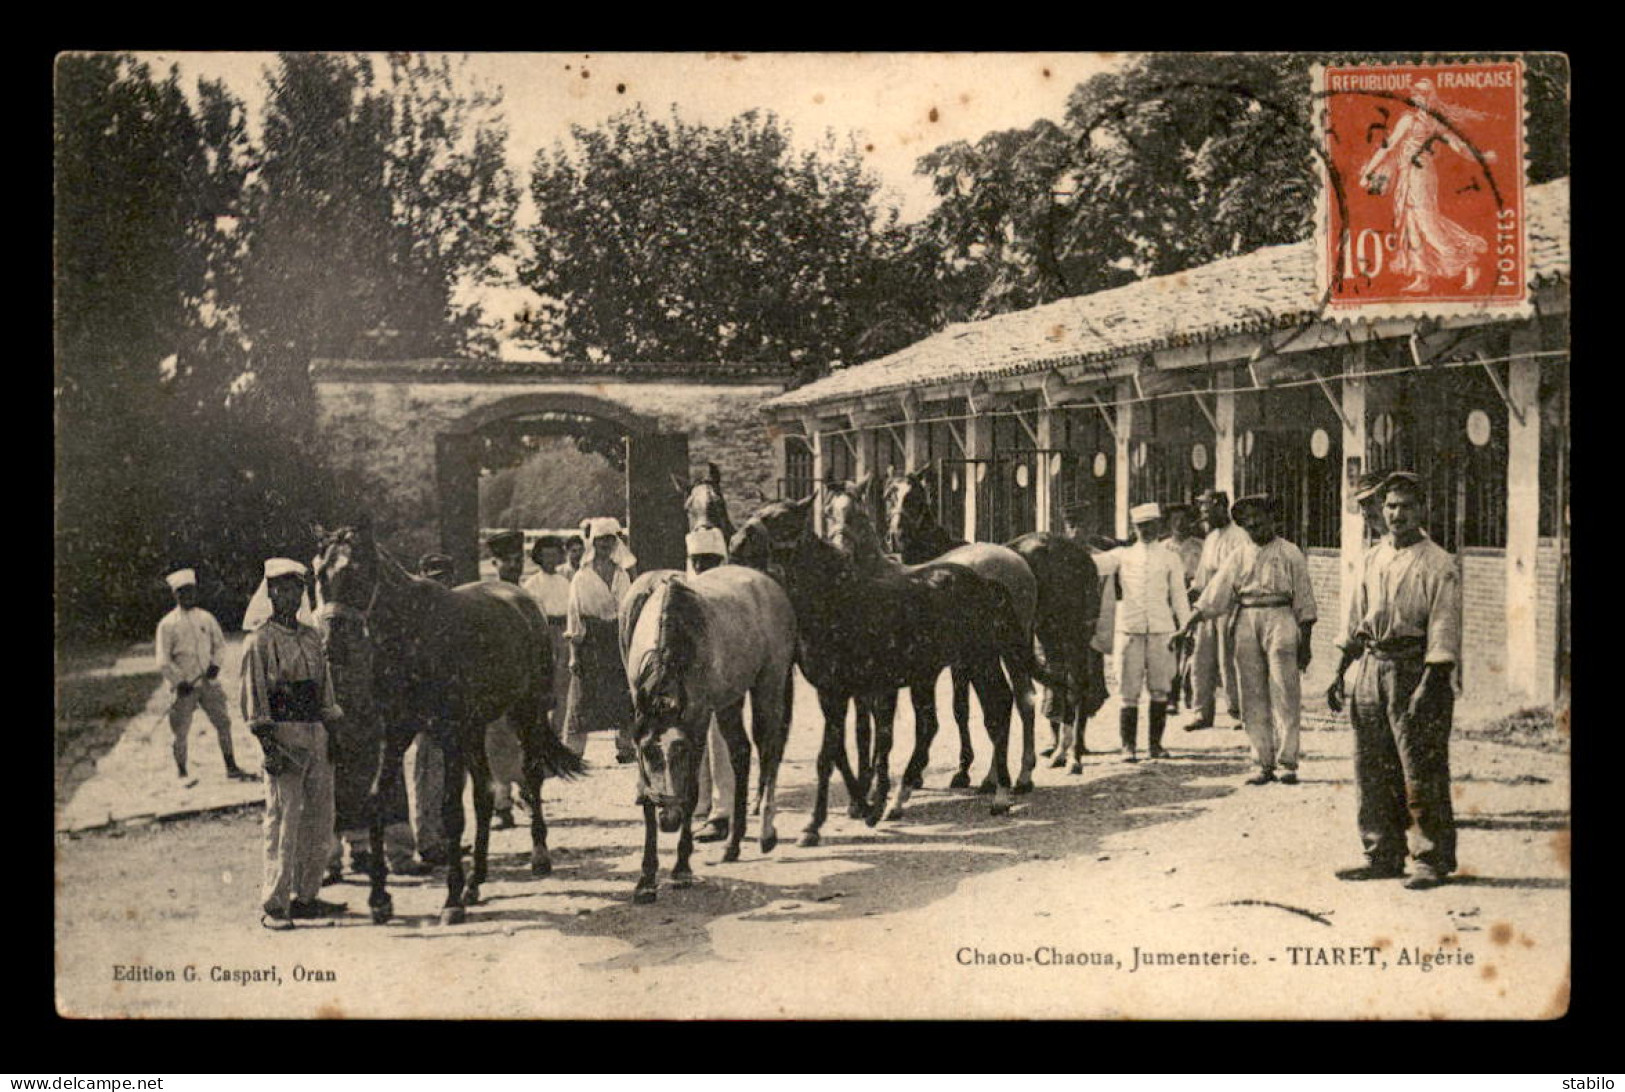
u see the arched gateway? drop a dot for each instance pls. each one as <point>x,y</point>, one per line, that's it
<point>404,437</point>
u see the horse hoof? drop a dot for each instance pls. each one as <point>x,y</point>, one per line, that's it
<point>682,879</point>
<point>984,789</point>
<point>768,842</point>
<point>854,810</point>
<point>541,866</point>
<point>915,782</point>
<point>961,780</point>
<point>1022,787</point>
<point>999,809</point>
<point>453,915</point>
<point>1057,762</point>
<point>808,839</point>
<point>471,895</point>
<point>730,854</point>
<point>1047,751</point>
<point>383,912</point>
<point>1075,768</point>
<point>895,813</point>
<point>643,896</point>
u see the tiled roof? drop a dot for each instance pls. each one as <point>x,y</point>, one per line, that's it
<point>1267,289</point>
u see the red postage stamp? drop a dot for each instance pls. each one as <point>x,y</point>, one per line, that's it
<point>1422,201</point>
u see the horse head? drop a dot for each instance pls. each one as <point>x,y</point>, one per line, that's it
<point>703,502</point>
<point>662,733</point>
<point>772,534</point>
<point>908,510</point>
<point>345,567</point>
<point>848,525</point>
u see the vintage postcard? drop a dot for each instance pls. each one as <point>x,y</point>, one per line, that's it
<point>772,536</point>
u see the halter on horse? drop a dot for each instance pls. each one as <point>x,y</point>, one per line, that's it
<point>451,661</point>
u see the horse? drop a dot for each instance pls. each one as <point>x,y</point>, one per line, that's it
<point>704,505</point>
<point>450,660</point>
<point>696,647</point>
<point>1067,607</point>
<point>847,523</point>
<point>871,634</point>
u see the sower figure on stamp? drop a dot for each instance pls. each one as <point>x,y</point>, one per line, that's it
<point>501,743</point>
<point>1262,595</point>
<point>1214,658</point>
<point>189,646</point>
<point>1404,627</point>
<point>1152,606</point>
<point>707,548</point>
<point>287,699</point>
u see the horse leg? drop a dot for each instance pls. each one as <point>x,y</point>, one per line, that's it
<point>532,743</point>
<point>451,821</point>
<point>924,697</point>
<point>386,774</point>
<point>770,726</point>
<point>863,735</point>
<point>731,723</point>
<point>1021,685</point>
<point>834,710</point>
<point>993,694</point>
<point>479,770</point>
<point>885,709</point>
<point>967,754</point>
<point>682,874</point>
<point>644,892</point>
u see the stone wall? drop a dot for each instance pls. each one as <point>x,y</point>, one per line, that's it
<point>378,438</point>
<point>1324,565</point>
<point>1483,622</point>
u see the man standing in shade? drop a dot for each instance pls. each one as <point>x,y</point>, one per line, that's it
<point>189,646</point>
<point>1263,596</point>
<point>1152,606</point>
<point>1214,659</point>
<point>287,699</point>
<point>1404,626</point>
<point>502,747</point>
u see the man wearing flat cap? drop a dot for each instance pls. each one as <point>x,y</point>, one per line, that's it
<point>1263,596</point>
<point>189,647</point>
<point>1214,658</point>
<point>288,702</point>
<point>1368,495</point>
<point>1149,585</point>
<point>1404,627</point>
<point>508,551</point>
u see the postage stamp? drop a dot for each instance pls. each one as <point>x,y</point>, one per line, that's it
<point>1422,201</point>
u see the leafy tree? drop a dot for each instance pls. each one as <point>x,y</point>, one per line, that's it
<point>666,240</point>
<point>377,194</point>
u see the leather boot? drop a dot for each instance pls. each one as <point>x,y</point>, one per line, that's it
<point>1159,720</point>
<point>1129,728</point>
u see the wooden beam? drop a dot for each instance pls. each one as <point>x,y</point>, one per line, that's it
<point>1335,399</point>
<point>1111,424</point>
<point>1500,387</point>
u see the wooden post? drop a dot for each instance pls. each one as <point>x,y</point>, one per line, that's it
<point>1125,435</point>
<point>978,446</point>
<point>1224,434</point>
<point>1041,469</point>
<point>1351,537</point>
<point>1525,681</point>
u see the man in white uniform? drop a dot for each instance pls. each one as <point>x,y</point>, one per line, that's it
<point>1149,587</point>
<point>189,647</point>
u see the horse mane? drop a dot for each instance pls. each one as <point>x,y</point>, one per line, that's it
<point>662,669</point>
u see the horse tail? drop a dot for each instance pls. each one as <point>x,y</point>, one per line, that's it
<point>555,759</point>
<point>658,686</point>
<point>1014,641</point>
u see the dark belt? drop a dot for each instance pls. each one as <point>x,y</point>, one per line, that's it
<point>1398,648</point>
<point>557,619</point>
<point>1266,601</point>
<point>296,702</point>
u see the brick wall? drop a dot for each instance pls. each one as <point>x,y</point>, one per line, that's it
<point>379,439</point>
<point>1323,574</point>
<point>1483,622</point>
<point>1546,564</point>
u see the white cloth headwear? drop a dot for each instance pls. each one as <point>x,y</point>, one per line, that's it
<point>259,605</point>
<point>180,578</point>
<point>707,540</point>
<point>1145,513</point>
<point>607,525</point>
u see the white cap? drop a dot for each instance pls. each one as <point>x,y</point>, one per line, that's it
<point>283,566</point>
<point>1145,513</point>
<point>707,540</point>
<point>605,525</point>
<point>180,578</point>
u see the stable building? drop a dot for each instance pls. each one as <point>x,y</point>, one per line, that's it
<point>1227,376</point>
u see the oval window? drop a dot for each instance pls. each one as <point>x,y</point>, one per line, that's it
<point>1021,476</point>
<point>1320,444</point>
<point>1102,464</point>
<point>1198,456</point>
<point>1382,429</point>
<point>1055,464</point>
<point>981,473</point>
<point>1247,444</point>
<point>1139,455</point>
<point>1478,427</point>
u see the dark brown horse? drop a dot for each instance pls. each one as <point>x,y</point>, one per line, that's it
<point>1068,604</point>
<point>874,634</point>
<point>449,660</point>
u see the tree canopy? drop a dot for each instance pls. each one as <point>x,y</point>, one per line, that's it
<point>668,240</point>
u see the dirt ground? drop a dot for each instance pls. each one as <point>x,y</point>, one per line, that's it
<point>1165,889</point>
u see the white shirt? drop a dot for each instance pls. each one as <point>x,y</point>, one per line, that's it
<point>1153,583</point>
<point>551,590</point>
<point>590,597</point>
<point>1216,550</point>
<point>189,641</point>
